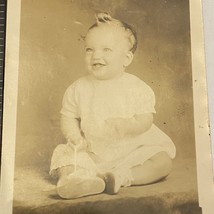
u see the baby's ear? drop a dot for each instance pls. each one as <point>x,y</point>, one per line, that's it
<point>128,59</point>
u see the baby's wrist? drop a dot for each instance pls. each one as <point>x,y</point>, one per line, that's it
<point>75,140</point>
<point>130,125</point>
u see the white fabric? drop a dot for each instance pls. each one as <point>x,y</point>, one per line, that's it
<point>93,101</point>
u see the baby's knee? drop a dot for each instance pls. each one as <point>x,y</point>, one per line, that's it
<point>64,158</point>
<point>62,149</point>
<point>67,150</point>
<point>64,171</point>
<point>163,163</point>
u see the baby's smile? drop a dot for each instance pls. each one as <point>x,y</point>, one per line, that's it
<point>97,65</point>
<point>107,52</point>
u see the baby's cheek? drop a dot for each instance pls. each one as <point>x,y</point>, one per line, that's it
<point>87,61</point>
<point>113,122</point>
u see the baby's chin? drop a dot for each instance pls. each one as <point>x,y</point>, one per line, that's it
<point>100,75</point>
<point>103,75</point>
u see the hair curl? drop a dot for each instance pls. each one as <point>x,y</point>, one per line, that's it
<point>105,18</point>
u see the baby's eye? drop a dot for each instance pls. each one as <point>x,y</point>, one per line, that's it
<point>88,50</point>
<point>107,49</point>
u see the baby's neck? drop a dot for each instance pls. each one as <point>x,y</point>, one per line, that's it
<point>106,80</point>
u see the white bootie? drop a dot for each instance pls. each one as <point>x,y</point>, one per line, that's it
<point>115,179</point>
<point>113,182</point>
<point>79,184</point>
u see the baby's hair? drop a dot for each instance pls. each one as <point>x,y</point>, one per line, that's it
<point>107,19</point>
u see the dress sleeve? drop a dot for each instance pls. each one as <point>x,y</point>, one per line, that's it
<point>144,99</point>
<point>69,103</point>
<point>70,126</point>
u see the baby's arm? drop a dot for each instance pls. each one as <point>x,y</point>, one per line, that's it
<point>70,122</point>
<point>136,125</point>
<point>139,124</point>
<point>71,129</point>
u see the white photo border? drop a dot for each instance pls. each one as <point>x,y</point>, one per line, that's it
<point>203,146</point>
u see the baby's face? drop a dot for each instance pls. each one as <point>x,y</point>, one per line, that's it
<point>107,52</point>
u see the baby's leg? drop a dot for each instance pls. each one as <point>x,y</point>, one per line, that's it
<point>64,171</point>
<point>152,170</point>
<point>75,183</point>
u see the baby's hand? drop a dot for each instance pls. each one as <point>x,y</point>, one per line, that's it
<point>79,144</point>
<point>119,125</point>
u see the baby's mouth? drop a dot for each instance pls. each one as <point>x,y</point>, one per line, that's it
<point>98,65</point>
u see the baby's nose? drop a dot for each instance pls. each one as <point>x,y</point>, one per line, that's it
<point>97,54</point>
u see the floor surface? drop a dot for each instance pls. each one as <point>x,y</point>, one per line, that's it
<point>34,192</point>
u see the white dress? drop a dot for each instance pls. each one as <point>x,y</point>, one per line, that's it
<point>94,101</point>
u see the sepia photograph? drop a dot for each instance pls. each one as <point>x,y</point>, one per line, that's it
<point>105,106</point>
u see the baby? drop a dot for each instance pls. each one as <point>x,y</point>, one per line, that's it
<point>107,119</point>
